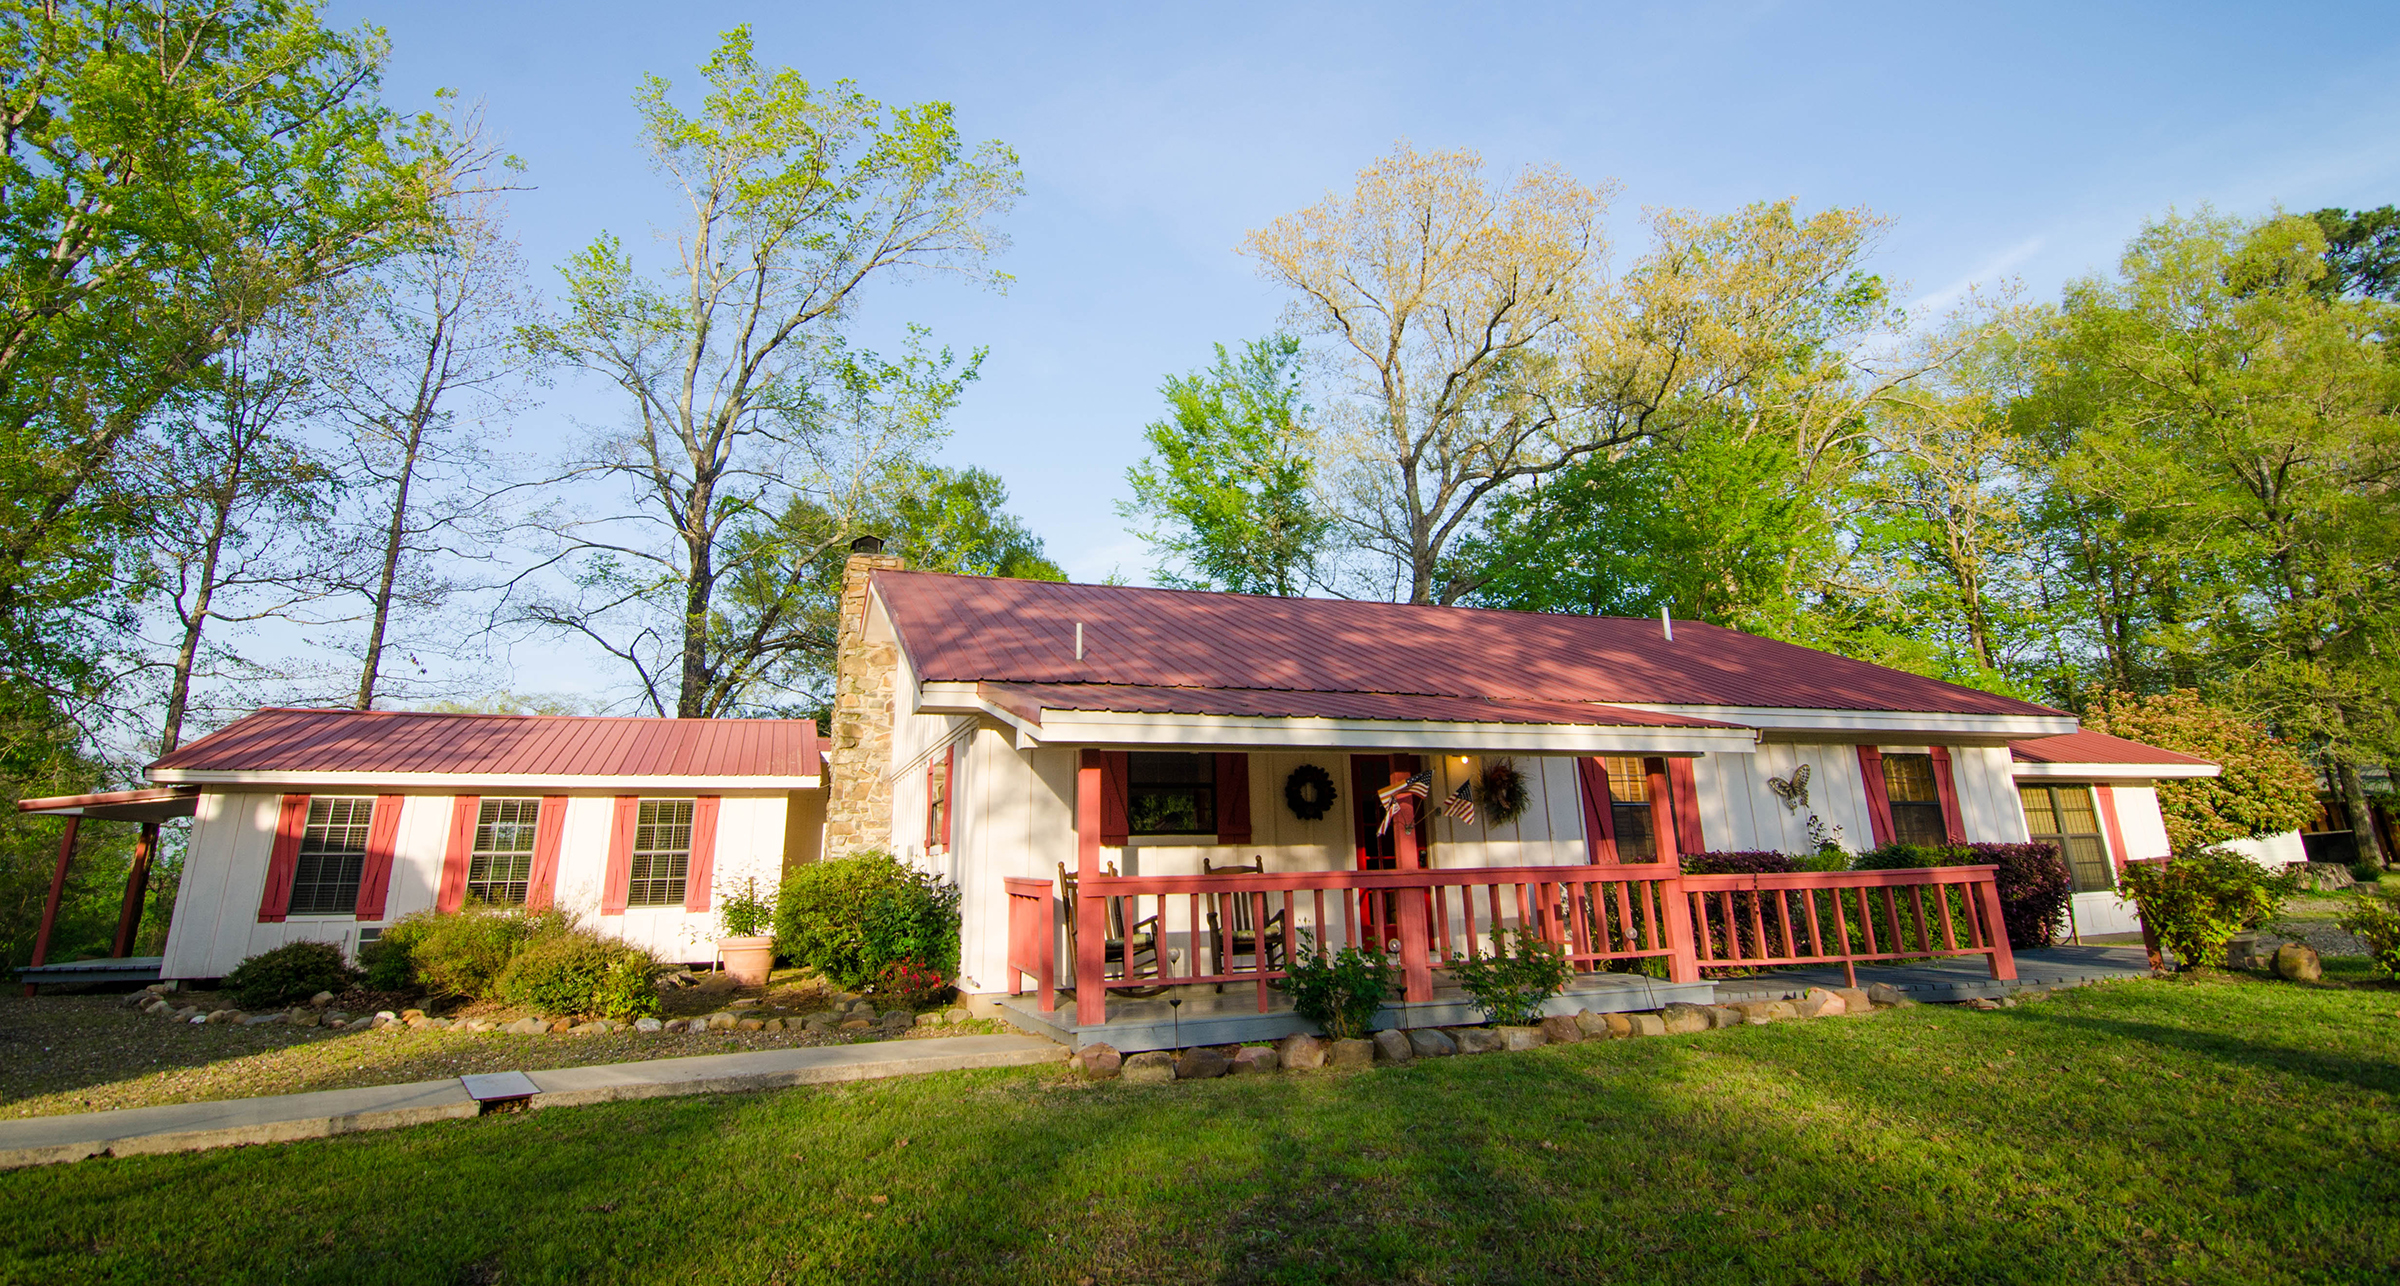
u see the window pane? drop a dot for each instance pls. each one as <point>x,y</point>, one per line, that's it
<point>1171,794</point>
<point>1909,779</point>
<point>2087,861</point>
<point>1919,824</point>
<point>1628,780</point>
<point>1634,842</point>
<point>333,853</point>
<point>662,852</point>
<point>502,867</point>
<point>2076,816</point>
<point>1145,769</point>
<point>2040,818</point>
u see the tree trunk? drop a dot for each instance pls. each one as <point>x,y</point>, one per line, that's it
<point>179,692</point>
<point>394,537</point>
<point>2362,814</point>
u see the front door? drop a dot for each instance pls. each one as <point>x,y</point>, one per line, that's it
<point>1381,852</point>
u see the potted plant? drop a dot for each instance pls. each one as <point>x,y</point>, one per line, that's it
<point>748,947</point>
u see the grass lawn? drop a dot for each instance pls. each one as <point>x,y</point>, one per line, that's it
<point>2218,1129</point>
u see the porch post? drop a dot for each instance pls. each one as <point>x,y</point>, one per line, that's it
<point>58,886</point>
<point>137,889</point>
<point>1091,923</point>
<point>2004,959</point>
<point>1416,967</point>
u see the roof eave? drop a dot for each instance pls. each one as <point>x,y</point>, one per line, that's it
<point>428,781</point>
<point>1098,727</point>
<point>2115,772</point>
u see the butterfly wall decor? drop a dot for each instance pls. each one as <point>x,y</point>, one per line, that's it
<point>1793,790</point>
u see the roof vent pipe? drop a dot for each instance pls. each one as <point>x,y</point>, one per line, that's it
<point>1666,624</point>
<point>1079,640</point>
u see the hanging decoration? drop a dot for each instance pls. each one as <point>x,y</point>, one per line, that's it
<point>1792,790</point>
<point>1503,791</point>
<point>1308,792</point>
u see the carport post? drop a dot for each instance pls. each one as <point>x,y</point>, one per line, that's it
<point>58,886</point>
<point>137,890</point>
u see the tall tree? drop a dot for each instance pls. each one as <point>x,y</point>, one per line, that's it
<point>2362,253</point>
<point>740,393</point>
<point>171,172</point>
<point>1228,491</point>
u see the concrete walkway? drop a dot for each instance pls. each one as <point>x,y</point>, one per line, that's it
<point>1951,981</point>
<point>184,1127</point>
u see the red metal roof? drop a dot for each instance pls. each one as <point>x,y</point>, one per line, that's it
<point>2088,747</point>
<point>1276,704</point>
<point>973,628</point>
<point>400,741</point>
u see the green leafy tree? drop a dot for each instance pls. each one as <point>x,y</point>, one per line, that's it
<point>741,394</point>
<point>1228,490</point>
<point>2362,253</point>
<point>2265,787</point>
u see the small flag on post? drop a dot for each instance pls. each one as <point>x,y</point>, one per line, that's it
<point>1420,785</point>
<point>1462,804</point>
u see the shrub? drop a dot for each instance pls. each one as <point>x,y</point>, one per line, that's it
<point>2032,881</point>
<point>746,914</point>
<point>1341,993</point>
<point>910,984</point>
<point>1510,987</point>
<point>580,972</point>
<point>292,972</point>
<point>2376,921</point>
<point>1737,862</point>
<point>850,918</point>
<point>2195,901</point>
<point>461,953</point>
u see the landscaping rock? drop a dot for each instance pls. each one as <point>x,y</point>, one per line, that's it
<point>321,999</point>
<point>722,1021</point>
<point>648,1025</point>
<point>678,1025</point>
<point>2324,877</point>
<point>1477,1040</point>
<point>1723,1016</point>
<point>1646,1024</point>
<point>1097,1062</point>
<point>136,999</point>
<point>407,1014</point>
<point>956,1016</point>
<point>819,1025</point>
<point>561,1026</point>
<point>1817,1002</point>
<point>930,1020</point>
<point>1201,1064</point>
<point>2251,950</point>
<point>226,1016</point>
<point>1150,1067</point>
<point>1887,995</point>
<point>2298,962</point>
<point>1393,1047</point>
<point>1854,1000</point>
<point>1350,1053</point>
<point>360,1024</point>
<point>1431,1042</point>
<point>386,1016</point>
<point>1595,1026</point>
<point>261,1020</point>
<point>1254,1059</point>
<point>1560,1030</point>
<point>1683,1020</point>
<point>1301,1053</point>
<point>858,1025</point>
<point>1619,1026</point>
<point>303,1018</point>
<point>749,1024</point>
<point>588,1029</point>
<point>1521,1037</point>
<point>898,1021</point>
<point>1984,1003</point>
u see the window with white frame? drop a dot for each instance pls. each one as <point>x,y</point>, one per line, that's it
<point>502,866</point>
<point>333,853</point>
<point>1916,801</point>
<point>1629,796</point>
<point>662,853</point>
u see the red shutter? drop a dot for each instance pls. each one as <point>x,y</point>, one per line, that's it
<point>1879,800</point>
<point>1662,809</point>
<point>375,874</point>
<point>548,826</point>
<point>616,882</point>
<point>283,861</point>
<point>1116,770</point>
<point>937,812</point>
<point>1954,825</point>
<point>1599,811</point>
<point>2106,798</point>
<point>1686,788</point>
<point>1233,799</point>
<point>459,855</point>
<point>701,872</point>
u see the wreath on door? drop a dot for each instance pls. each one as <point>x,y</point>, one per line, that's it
<point>1308,792</point>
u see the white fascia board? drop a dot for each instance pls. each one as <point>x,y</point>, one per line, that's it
<point>961,698</point>
<point>1082,727</point>
<point>1865,725</point>
<point>2117,772</point>
<point>523,784</point>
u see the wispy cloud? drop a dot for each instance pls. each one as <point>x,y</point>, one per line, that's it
<point>1984,274</point>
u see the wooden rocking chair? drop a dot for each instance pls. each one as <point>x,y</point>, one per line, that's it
<point>1123,950</point>
<point>1266,949</point>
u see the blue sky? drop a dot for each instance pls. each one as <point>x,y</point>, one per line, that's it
<point>2022,140</point>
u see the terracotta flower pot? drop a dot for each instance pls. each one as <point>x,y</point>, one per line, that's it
<point>747,960</point>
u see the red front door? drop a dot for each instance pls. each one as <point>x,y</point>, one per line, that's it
<point>1381,852</point>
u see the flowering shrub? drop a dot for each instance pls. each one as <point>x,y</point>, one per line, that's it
<point>911,984</point>
<point>850,918</point>
<point>1510,987</point>
<point>2194,902</point>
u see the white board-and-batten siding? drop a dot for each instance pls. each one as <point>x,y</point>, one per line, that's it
<point>224,876</point>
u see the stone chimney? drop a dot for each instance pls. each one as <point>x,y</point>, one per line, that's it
<point>858,810</point>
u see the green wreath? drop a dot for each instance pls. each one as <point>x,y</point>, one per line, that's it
<point>1309,792</point>
<point>1503,791</point>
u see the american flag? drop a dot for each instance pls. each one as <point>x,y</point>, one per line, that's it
<point>1420,785</point>
<point>1462,804</point>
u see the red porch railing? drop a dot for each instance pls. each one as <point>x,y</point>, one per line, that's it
<point>1844,917</point>
<point>1595,913</point>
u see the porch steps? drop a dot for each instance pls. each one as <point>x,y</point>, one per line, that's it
<point>1209,1018</point>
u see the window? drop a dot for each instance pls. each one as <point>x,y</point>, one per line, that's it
<point>1171,794</point>
<point>937,804</point>
<point>662,853</point>
<point>503,862</point>
<point>333,850</point>
<point>1916,801</point>
<point>2063,815</point>
<point>1629,789</point>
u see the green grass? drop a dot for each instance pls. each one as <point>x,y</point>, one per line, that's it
<point>2230,1130</point>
